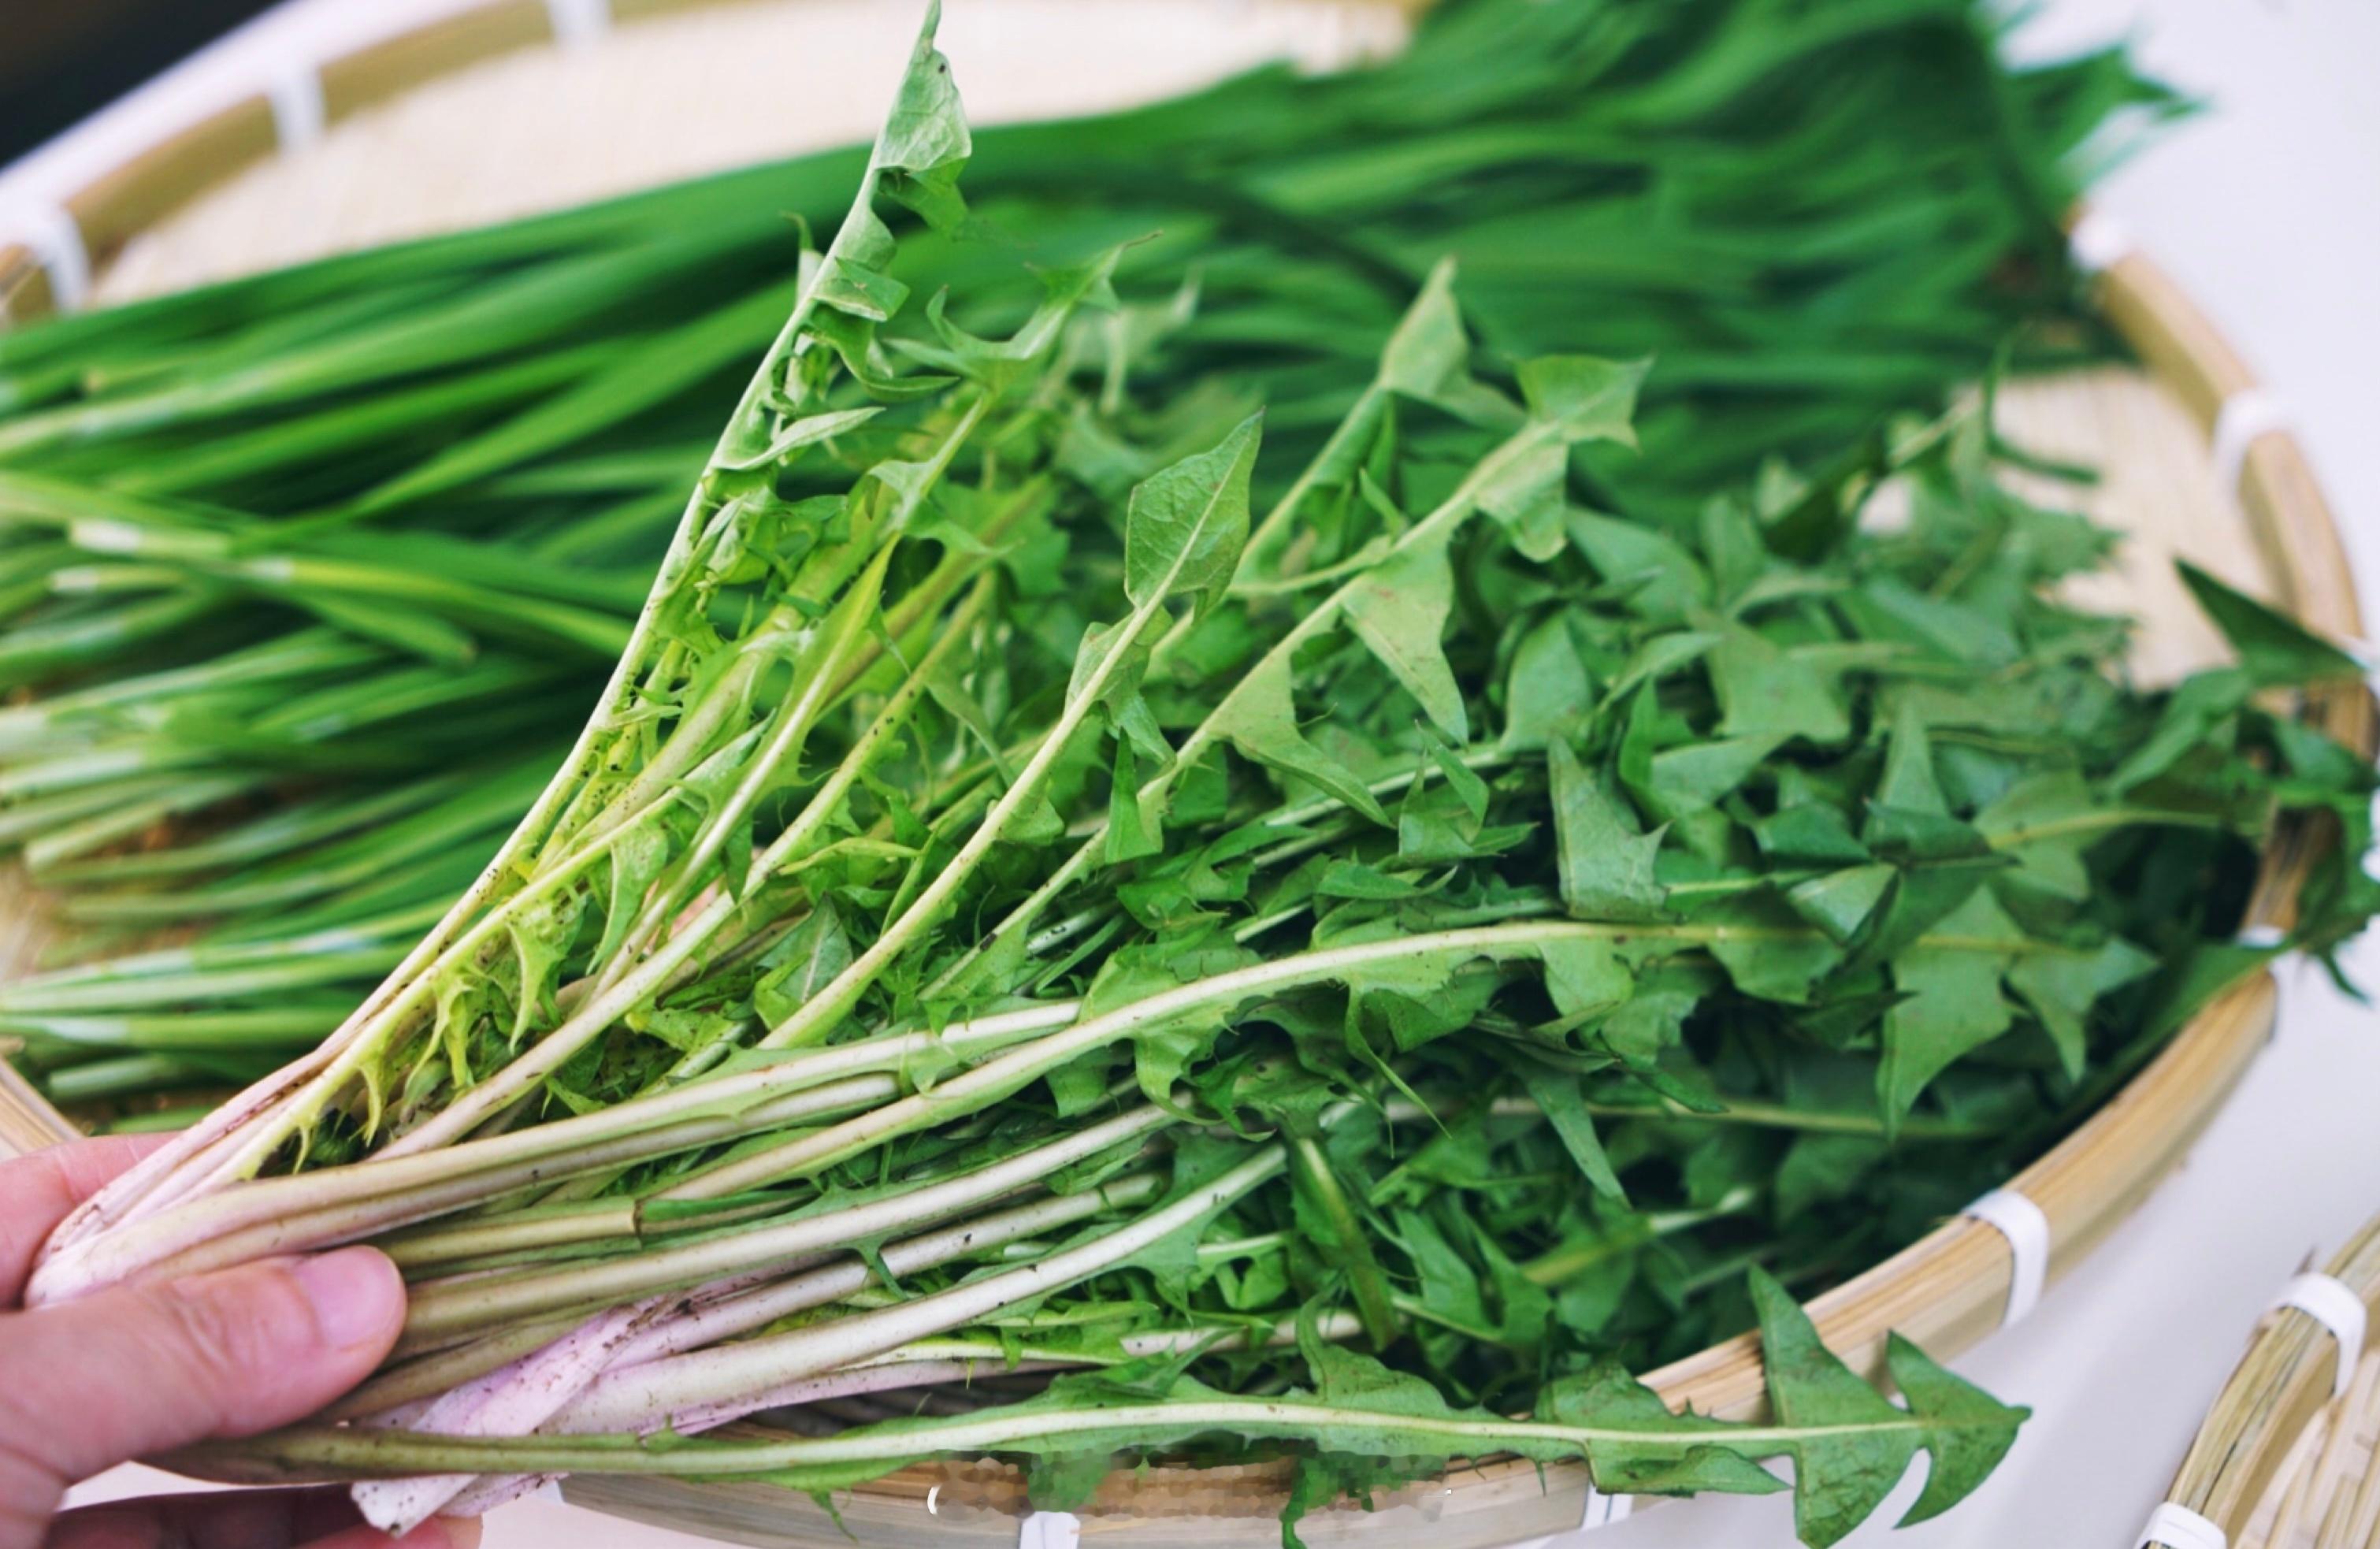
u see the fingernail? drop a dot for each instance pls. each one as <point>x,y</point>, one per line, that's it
<point>462,1532</point>
<point>355,1295</point>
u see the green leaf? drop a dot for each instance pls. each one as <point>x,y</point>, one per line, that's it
<point>2275,648</point>
<point>1259,721</point>
<point>2044,822</point>
<point>1864,1443</point>
<point>1809,833</point>
<point>1909,783</point>
<point>1968,1432</point>
<point>1557,1096</point>
<point>1606,860</point>
<point>1954,1001</point>
<point>1645,1449</point>
<point>807,961</point>
<point>1777,957</point>
<point>1399,610</point>
<point>809,431</point>
<point>1662,581</point>
<point>1840,902</point>
<point>1353,878</point>
<point>925,140</point>
<point>1548,694</point>
<point>1585,978</point>
<point>1694,776</point>
<point>1327,1218</point>
<point>1582,397</point>
<point>1462,779</point>
<point>1527,496</point>
<point>1429,358</point>
<point>1186,523</point>
<point>2061,988</point>
<point>1132,832</point>
<point>1764,690</point>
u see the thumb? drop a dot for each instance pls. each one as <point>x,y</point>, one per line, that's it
<point>88,1383</point>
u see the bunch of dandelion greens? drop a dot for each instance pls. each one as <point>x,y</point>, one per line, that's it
<point>981,930</point>
<point>319,536</point>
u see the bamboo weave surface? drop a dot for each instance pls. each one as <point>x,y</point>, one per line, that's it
<point>2281,1463</point>
<point>2325,1494</point>
<point>672,94</point>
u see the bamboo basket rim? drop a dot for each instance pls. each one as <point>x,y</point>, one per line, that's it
<point>1947,1289</point>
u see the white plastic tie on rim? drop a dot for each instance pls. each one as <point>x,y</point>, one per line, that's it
<point>294,91</point>
<point>579,23</point>
<point>1049,1530</point>
<point>48,231</point>
<point>2027,1230</point>
<point>2178,1527</point>
<point>2098,242</point>
<point>2327,1301</point>
<point>2246,417</point>
<point>1602,1511</point>
<point>2262,938</point>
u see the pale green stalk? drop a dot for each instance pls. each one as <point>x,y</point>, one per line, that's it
<point>433,1314</point>
<point>659,1388</point>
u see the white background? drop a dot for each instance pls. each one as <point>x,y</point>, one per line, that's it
<point>2267,209</point>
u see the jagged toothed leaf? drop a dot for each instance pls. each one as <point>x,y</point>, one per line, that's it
<point>1547,693</point>
<point>1585,976</point>
<point>1950,981</point>
<point>807,961</point>
<point>1529,496</point>
<point>1185,524</point>
<point>2046,823</point>
<point>1067,293</point>
<point>1556,1094</point>
<point>1658,577</point>
<point>925,140</point>
<point>2273,647</point>
<point>852,279</point>
<point>1581,397</point>
<point>1767,689</point>
<point>1864,1443</point>
<point>1768,952</point>
<point>1841,903</point>
<point>1641,1448</point>
<point>805,432</point>
<point>2060,988</point>
<point>1261,720</point>
<point>1969,1430</point>
<point>1398,609</point>
<point>1133,831</point>
<point>1429,358</point>
<point>1909,783</point>
<point>1606,859</point>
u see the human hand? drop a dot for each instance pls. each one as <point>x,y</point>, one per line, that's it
<point>141,1369</point>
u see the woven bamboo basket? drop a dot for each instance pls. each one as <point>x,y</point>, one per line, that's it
<point>497,109</point>
<point>2289,1455</point>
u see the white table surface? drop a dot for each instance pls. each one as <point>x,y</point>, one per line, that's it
<point>2267,209</point>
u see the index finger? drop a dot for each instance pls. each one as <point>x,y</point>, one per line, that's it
<point>36,1191</point>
